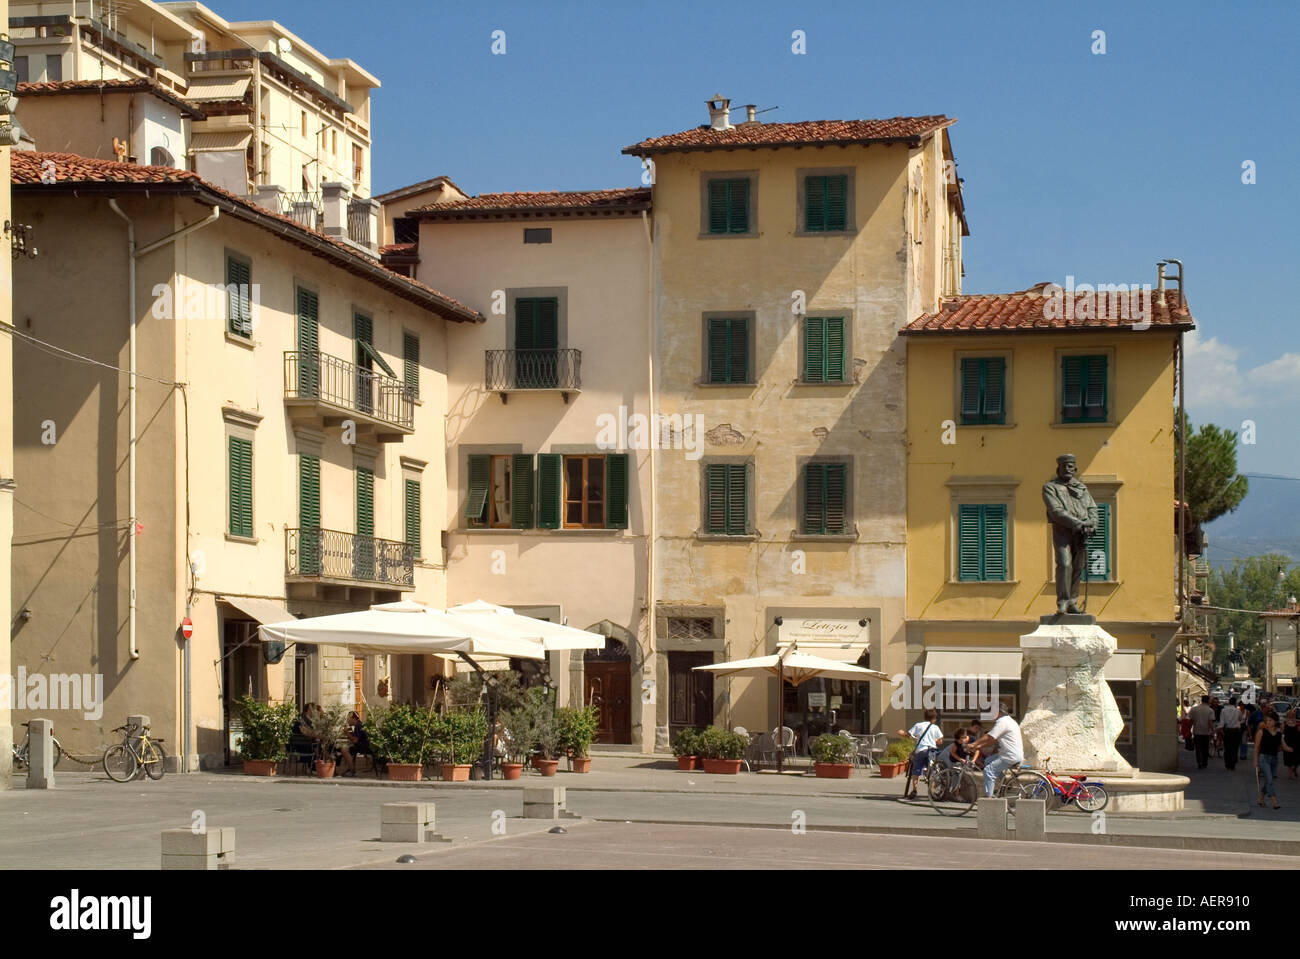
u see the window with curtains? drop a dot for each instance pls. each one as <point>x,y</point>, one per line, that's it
<point>983,390</point>
<point>727,349</point>
<point>825,203</point>
<point>1084,389</point>
<point>727,205</point>
<point>824,349</point>
<point>982,542</point>
<point>241,486</point>
<point>826,499</point>
<point>726,499</point>
<point>239,308</point>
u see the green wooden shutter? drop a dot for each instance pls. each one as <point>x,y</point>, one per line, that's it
<point>309,536</point>
<point>308,343</point>
<point>521,490</point>
<point>738,350</point>
<point>835,365</point>
<point>548,323</point>
<point>411,364</point>
<point>363,544</point>
<point>814,203</point>
<point>239,316</point>
<point>1099,545</point>
<point>1072,373</point>
<point>1094,399</point>
<point>525,322</point>
<point>717,346</point>
<point>970,390</point>
<point>836,202</point>
<point>994,536</point>
<point>737,500</point>
<point>715,498</point>
<point>994,370</point>
<point>738,205</point>
<point>241,487</point>
<point>836,480</point>
<point>412,517</point>
<point>616,500</point>
<point>970,553</point>
<point>480,478</point>
<point>814,498</point>
<point>717,203</point>
<point>550,490</point>
<point>814,349</point>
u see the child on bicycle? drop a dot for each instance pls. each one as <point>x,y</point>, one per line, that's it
<point>928,736</point>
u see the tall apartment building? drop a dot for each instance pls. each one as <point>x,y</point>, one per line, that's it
<point>787,257</point>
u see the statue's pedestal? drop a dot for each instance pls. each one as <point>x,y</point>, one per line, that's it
<point>1071,715</point>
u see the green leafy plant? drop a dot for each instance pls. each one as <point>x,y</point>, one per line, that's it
<point>332,726</point>
<point>517,734</point>
<point>576,729</point>
<point>457,738</point>
<point>898,751</point>
<point>401,733</point>
<point>545,731</point>
<point>834,748</point>
<point>718,743</point>
<point>266,728</point>
<point>686,743</point>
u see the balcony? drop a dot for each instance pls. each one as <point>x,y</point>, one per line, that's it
<point>328,390</point>
<point>534,371</point>
<point>330,557</point>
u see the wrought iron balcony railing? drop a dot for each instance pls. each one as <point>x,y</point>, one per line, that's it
<point>359,222</point>
<point>330,554</point>
<point>335,381</point>
<point>513,370</point>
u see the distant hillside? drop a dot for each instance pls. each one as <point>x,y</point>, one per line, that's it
<point>1267,521</point>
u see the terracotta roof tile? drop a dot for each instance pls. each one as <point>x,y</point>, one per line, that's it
<point>809,133</point>
<point>580,201</point>
<point>28,169</point>
<point>52,87</point>
<point>1024,312</point>
<point>398,248</point>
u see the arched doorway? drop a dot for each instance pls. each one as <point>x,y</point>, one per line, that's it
<point>607,682</point>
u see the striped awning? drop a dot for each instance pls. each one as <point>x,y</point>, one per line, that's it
<point>215,89</point>
<point>233,142</point>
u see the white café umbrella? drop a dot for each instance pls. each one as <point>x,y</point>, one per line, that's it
<point>797,668</point>
<point>505,620</point>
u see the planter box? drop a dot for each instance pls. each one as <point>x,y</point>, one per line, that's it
<point>324,770</point>
<point>458,773</point>
<point>511,770</point>
<point>726,767</point>
<point>546,767</point>
<point>688,762</point>
<point>581,765</point>
<point>259,767</point>
<point>890,770</point>
<point>404,772</point>
<point>833,770</point>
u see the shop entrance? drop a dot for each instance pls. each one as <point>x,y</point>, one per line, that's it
<point>244,674</point>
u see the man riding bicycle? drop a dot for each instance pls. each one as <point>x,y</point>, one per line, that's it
<point>1011,750</point>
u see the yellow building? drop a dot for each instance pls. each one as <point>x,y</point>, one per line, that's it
<point>787,257</point>
<point>997,388</point>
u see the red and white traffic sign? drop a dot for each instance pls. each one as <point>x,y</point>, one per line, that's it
<point>187,627</point>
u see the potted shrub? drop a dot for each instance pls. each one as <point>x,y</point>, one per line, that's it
<point>517,741</point>
<point>401,735</point>
<point>686,747</point>
<point>895,758</point>
<point>721,750</point>
<point>458,738</point>
<point>546,734</point>
<point>266,729</point>
<point>833,756</point>
<point>576,730</point>
<point>331,724</point>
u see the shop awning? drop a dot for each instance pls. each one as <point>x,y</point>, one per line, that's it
<point>263,610</point>
<point>216,89</point>
<point>233,141</point>
<point>1124,667</point>
<point>1002,663</point>
<point>841,652</point>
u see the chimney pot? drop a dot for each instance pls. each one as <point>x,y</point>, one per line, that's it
<point>719,112</point>
<point>750,110</point>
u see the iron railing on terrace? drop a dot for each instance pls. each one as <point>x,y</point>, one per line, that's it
<point>330,554</point>
<point>533,370</point>
<point>319,376</point>
<point>359,221</point>
<point>308,209</point>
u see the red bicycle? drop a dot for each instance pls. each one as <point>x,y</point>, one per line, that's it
<point>1088,795</point>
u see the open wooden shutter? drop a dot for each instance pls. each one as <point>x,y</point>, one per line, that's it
<point>995,542</point>
<point>411,364</point>
<point>412,517</point>
<point>737,500</point>
<point>715,493</point>
<point>814,349</point>
<point>836,217</point>
<point>616,502</point>
<point>970,554</point>
<point>738,206</point>
<point>836,479</point>
<point>239,314</point>
<point>480,475</point>
<point>521,491</point>
<point>1099,545</point>
<point>308,343</point>
<point>241,487</point>
<point>1072,387</point>
<point>358,675</point>
<point>309,541</point>
<point>717,206</point>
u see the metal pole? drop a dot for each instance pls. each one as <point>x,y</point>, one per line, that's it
<point>780,713</point>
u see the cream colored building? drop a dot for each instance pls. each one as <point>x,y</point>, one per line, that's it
<point>290,454</point>
<point>1281,663</point>
<point>6,455</point>
<point>786,259</point>
<point>548,506</point>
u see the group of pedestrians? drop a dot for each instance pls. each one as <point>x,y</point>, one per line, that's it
<point>993,751</point>
<point>1239,726</point>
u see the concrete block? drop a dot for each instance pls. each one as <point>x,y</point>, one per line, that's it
<point>1031,819</point>
<point>40,754</point>
<point>184,842</point>
<point>408,812</point>
<point>196,863</point>
<point>543,795</point>
<point>991,819</point>
<point>401,832</point>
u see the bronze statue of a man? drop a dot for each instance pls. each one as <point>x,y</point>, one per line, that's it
<point>1073,515</point>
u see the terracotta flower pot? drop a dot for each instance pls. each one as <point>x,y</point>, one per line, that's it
<point>833,770</point>
<point>324,770</point>
<point>404,772</point>
<point>546,767</point>
<point>582,765</point>
<point>890,770</point>
<point>259,767</point>
<point>457,773</point>
<point>511,770</point>
<point>727,767</point>
<point>688,762</point>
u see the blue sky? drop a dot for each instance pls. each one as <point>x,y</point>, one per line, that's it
<point>1094,165</point>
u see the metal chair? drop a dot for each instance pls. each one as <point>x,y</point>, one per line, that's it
<point>742,731</point>
<point>783,740</point>
<point>871,746</point>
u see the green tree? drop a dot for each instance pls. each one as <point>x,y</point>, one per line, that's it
<point>1248,584</point>
<point>1214,486</point>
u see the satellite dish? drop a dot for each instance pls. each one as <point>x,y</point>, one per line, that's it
<point>284,46</point>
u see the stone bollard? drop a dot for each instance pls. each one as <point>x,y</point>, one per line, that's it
<point>212,849</point>
<point>408,822</point>
<point>40,754</point>
<point>991,819</point>
<point>546,802</point>
<point>1031,819</point>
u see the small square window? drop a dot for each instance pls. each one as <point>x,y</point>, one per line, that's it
<point>727,204</point>
<point>537,234</point>
<point>983,390</point>
<point>1084,389</point>
<point>726,499</point>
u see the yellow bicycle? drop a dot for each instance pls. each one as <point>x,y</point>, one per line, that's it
<point>134,754</point>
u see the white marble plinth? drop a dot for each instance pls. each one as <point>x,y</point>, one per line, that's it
<point>1071,715</point>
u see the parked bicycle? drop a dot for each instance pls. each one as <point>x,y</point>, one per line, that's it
<point>1088,795</point>
<point>135,754</point>
<point>955,790</point>
<point>22,751</point>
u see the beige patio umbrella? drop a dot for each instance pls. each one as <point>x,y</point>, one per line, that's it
<point>505,621</point>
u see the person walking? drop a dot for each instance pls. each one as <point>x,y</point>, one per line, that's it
<point>1230,722</point>
<point>1202,729</point>
<point>1291,738</point>
<point>1011,748</point>
<point>1268,743</point>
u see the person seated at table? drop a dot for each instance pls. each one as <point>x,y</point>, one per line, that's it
<point>960,750</point>
<point>976,731</point>
<point>358,744</point>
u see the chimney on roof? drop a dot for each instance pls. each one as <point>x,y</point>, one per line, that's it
<point>719,112</point>
<point>1160,283</point>
<point>750,110</point>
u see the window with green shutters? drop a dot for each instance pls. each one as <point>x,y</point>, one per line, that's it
<point>411,505</point>
<point>616,493</point>
<point>537,342</point>
<point>521,492</point>
<point>983,390</point>
<point>726,499</point>
<point>982,542</point>
<point>308,343</point>
<point>1083,389</point>
<point>826,200</point>
<point>411,364</point>
<point>480,478</point>
<point>823,349</point>
<point>727,348</point>
<point>239,286</point>
<point>728,205</point>
<point>364,542</point>
<point>309,534</point>
<point>825,498</point>
<point>1099,545</point>
<point>241,487</point>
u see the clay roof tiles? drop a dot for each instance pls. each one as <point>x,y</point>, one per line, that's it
<point>1026,311</point>
<point>808,133</point>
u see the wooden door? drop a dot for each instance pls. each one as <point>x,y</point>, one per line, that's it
<point>609,686</point>
<point>690,694</point>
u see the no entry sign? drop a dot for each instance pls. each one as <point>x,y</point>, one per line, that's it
<point>187,628</point>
